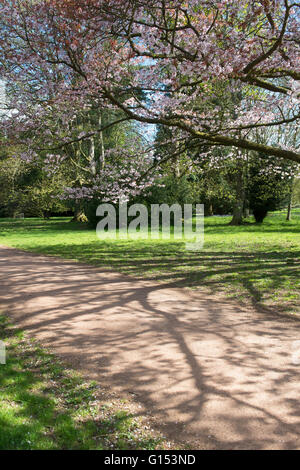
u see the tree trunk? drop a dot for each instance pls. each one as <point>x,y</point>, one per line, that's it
<point>289,212</point>
<point>79,215</point>
<point>246,212</point>
<point>101,144</point>
<point>237,216</point>
<point>93,164</point>
<point>46,214</point>
<point>238,210</point>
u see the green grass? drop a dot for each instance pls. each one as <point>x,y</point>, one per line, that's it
<point>257,263</point>
<point>45,405</point>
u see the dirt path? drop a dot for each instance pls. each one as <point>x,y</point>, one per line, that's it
<point>218,375</point>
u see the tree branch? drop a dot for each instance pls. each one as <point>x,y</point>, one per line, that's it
<point>221,140</point>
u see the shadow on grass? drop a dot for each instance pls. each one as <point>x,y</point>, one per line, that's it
<point>243,273</point>
<point>239,259</point>
<point>43,406</point>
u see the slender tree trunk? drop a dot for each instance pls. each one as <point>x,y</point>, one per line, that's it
<point>238,210</point>
<point>289,211</point>
<point>246,185</point>
<point>92,156</point>
<point>176,168</point>
<point>101,144</point>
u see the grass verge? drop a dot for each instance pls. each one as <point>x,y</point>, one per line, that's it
<point>46,405</point>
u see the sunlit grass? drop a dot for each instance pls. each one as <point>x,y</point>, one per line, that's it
<point>258,263</point>
<point>46,405</point>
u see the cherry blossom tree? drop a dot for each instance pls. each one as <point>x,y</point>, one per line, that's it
<point>177,64</point>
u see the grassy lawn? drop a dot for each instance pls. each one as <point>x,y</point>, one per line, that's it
<point>257,263</point>
<point>45,405</point>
